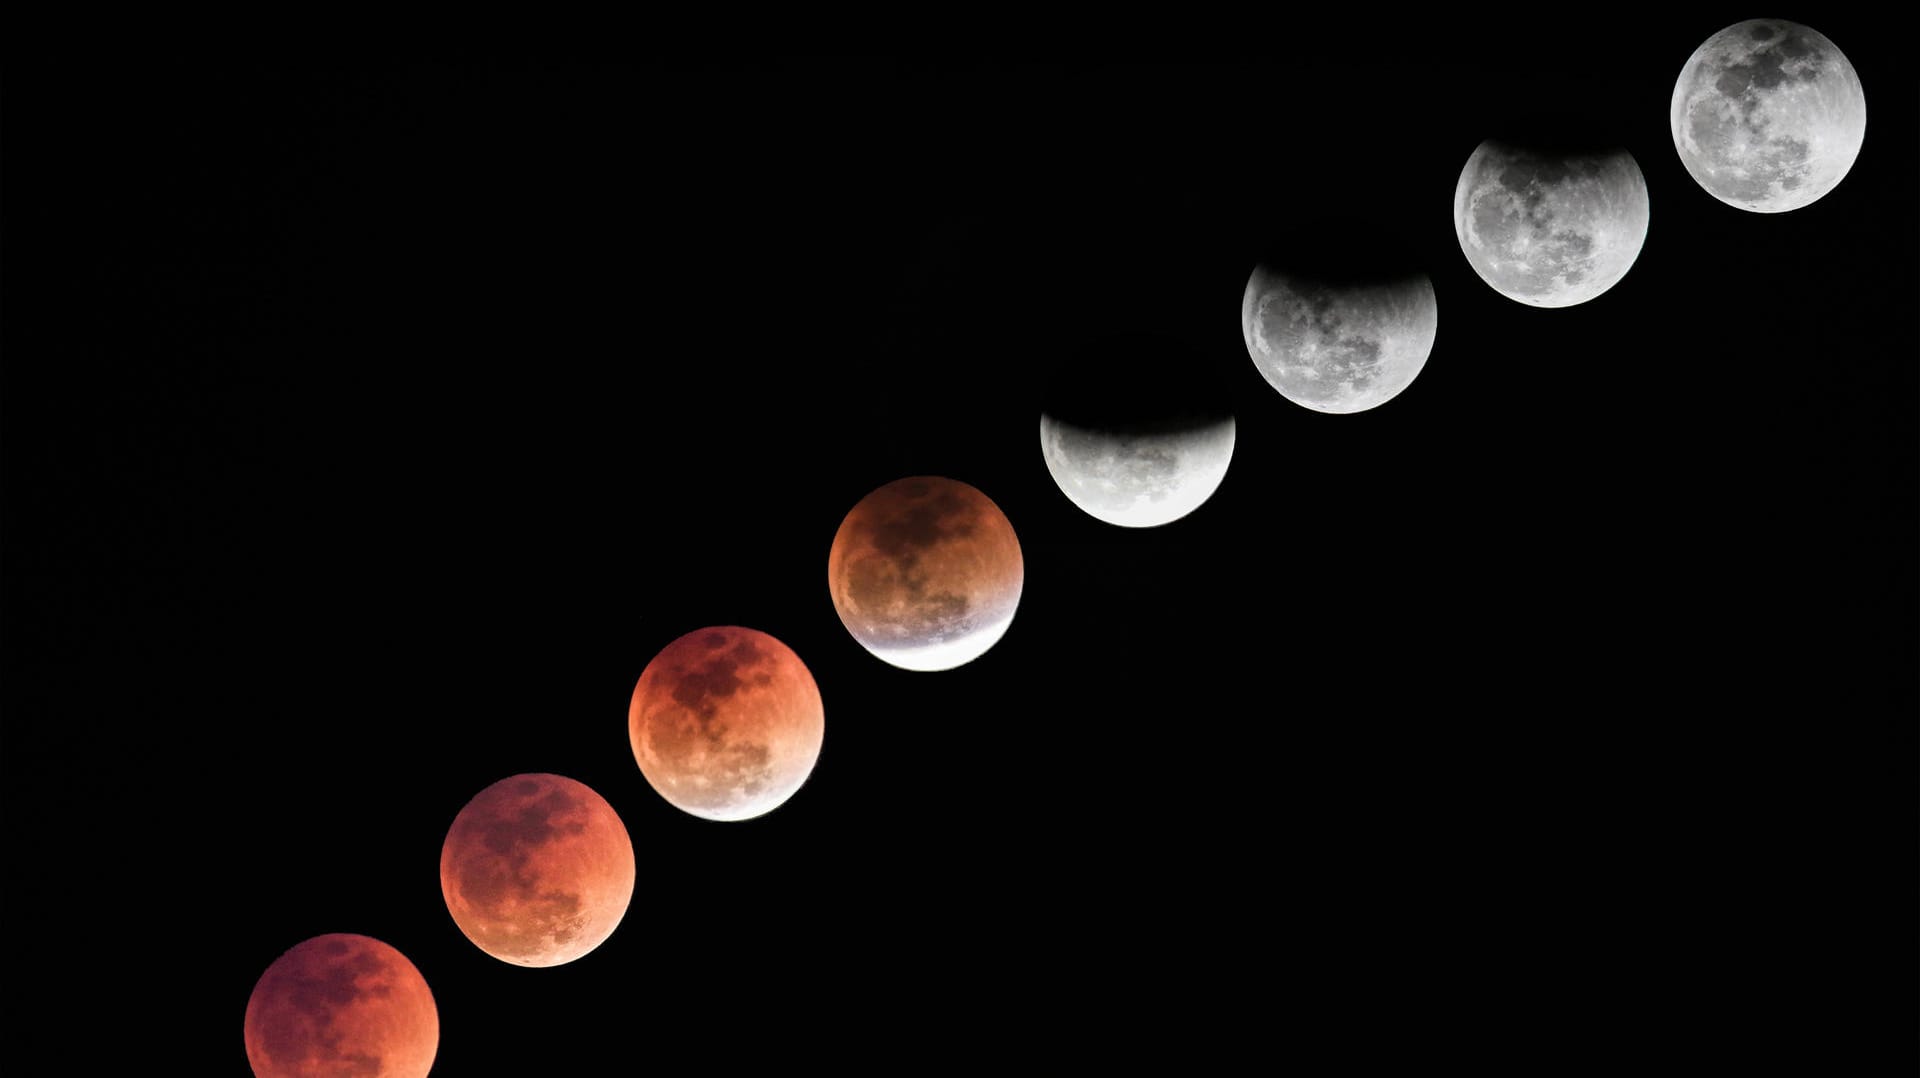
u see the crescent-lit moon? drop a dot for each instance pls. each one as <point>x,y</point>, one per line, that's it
<point>537,870</point>
<point>726,723</point>
<point>925,573</point>
<point>1768,115</point>
<point>341,1004</point>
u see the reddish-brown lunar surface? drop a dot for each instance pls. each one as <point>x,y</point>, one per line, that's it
<point>341,1004</point>
<point>925,573</point>
<point>726,723</point>
<point>537,870</point>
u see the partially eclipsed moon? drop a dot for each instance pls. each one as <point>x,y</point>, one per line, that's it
<point>537,870</point>
<point>1338,347</point>
<point>342,1004</point>
<point>726,723</point>
<point>925,573</point>
<point>1141,477</point>
<point>1768,115</point>
<point>1546,228</point>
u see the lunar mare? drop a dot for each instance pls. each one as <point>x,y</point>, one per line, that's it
<point>341,1004</point>
<point>726,723</point>
<point>1768,115</point>
<point>1138,478</point>
<point>1550,229</point>
<point>925,573</point>
<point>537,870</point>
<point>1338,346</point>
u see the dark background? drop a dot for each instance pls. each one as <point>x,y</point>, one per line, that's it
<point>367,430</point>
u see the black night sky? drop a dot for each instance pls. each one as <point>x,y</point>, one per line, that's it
<point>367,429</point>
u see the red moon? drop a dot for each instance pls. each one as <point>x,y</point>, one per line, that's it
<point>726,723</point>
<point>537,870</point>
<point>341,1004</point>
<point>926,573</point>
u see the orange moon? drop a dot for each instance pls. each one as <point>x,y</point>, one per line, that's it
<point>926,573</point>
<point>341,1004</point>
<point>726,723</point>
<point>537,870</point>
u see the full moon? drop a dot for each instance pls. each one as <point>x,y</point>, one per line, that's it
<point>925,573</point>
<point>341,1004</point>
<point>726,723</point>
<point>1768,115</point>
<point>537,870</point>
<point>1546,228</point>
<point>1338,345</point>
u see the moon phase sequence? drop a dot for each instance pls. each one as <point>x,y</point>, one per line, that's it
<point>537,870</point>
<point>925,573</point>
<point>1547,228</point>
<point>1768,115</point>
<point>726,723</point>
<point>1338,346</point>
<point>342,1004</point>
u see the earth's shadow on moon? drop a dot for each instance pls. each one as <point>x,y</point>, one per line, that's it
<point>1136,382</point>
<point>1339,254</point>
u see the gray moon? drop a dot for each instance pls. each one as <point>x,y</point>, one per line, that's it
<point>1341,346</point>
<point>1550,229</point>
<point>1768,115</point>
<point>1138,478</point>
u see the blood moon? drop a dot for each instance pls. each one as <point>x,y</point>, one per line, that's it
<point>925,573</point>
<point>537,869</point>
<point>342,1004</point>
<point>726,723</point>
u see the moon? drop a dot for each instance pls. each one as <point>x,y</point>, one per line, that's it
<point>1137,478</point>
<point>1134,431</point>
<point>537,870</point>
<point>726,723</point>
<point>925,573</point>
<point>1338,344</point>
<point>1550,228</point>
<point>342,1004</point>
<point>1768,115</point>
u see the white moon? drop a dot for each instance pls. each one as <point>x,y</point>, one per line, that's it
<point>1337,347</point>
<point>1550,229</point>
<point>1768,115</point>
<point>1139,478</point>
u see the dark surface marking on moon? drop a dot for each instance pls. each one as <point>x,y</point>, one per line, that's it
<point>922,526</point>
<point>699,689</point>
